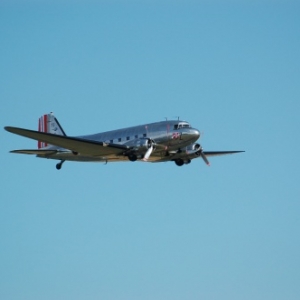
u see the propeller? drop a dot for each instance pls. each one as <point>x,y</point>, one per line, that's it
<point>149,151</point>
<point>203,156</point>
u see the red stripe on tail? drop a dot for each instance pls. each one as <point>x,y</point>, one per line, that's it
<point>40,129</point>
<point>43,127</point>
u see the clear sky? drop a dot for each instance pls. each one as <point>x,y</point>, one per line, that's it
<point>141,230</point>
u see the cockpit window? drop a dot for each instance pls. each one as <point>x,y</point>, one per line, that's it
<point>185,126</point>
<point>182,125</point>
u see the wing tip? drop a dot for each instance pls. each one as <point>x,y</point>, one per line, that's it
<point>12,129</point>
<point>7,128</point>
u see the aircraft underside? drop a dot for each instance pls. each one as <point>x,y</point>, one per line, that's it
<point>155,157</point>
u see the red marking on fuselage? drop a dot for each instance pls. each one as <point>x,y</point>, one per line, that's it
<point>175,135</point>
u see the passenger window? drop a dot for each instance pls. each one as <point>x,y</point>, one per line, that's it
<point>119,139</point>
<point>144,135</point>
<point>136,136</point>
<point>128,138</point>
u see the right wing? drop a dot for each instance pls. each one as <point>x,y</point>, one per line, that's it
<point>80,145</point>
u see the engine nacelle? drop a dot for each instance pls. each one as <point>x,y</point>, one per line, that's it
<point>140,149</point>
<point>193,150</point>
<point>140,145</point>
<point>193,147</point>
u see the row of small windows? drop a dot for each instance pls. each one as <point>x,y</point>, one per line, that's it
<point>119,140</point>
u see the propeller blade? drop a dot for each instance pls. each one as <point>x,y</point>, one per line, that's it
<point>148,153</point>
<point>204,158</point>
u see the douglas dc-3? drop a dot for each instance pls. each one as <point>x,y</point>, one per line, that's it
<point>170,140</point>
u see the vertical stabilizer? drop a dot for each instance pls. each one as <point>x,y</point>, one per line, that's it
<point>49,124</point>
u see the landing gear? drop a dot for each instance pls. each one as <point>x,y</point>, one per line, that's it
<point>59,165</point>
<point>132,157</point>
<point>179,162</point>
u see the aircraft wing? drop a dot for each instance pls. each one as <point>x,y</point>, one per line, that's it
<point>80,145</point>
<point>218,153</point>
<point>34,151</point>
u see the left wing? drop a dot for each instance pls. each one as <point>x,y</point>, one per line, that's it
<point>218,153</point>
<point>186,156</point>
<point>34,151</point>
<point>80,145</point>
<point>214,153</point>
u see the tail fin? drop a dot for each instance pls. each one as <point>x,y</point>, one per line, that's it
<point>48,123</point>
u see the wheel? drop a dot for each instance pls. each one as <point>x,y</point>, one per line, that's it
<point>179,162</point>
<point>132,157</point>
<point>59,165</point>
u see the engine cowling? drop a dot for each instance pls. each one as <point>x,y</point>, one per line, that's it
<point>193,150</point>
<point>196,150</point>
<point>193,147</point>
<point>140,144</point>
<point>140,148</point>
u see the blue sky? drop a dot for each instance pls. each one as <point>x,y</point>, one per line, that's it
<point>152,231</point>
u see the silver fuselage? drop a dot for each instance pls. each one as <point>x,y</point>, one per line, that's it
<point>163,133</point>
<point>173,135</point>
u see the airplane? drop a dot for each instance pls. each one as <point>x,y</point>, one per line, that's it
<point>169,140</point>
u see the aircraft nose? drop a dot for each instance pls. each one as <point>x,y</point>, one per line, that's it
<point>190,134</point>
<point>196,133</point>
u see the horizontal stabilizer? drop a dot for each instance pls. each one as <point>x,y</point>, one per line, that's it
<point>35,152</point>
<point>217,153</point>
<point>79,145</point>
